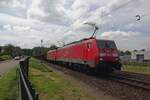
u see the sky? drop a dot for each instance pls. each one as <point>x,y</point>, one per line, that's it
<point>25,23</point>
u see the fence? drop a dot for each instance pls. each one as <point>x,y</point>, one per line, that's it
<point>27,92</point>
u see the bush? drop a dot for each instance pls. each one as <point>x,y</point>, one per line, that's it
<point>5,57</point>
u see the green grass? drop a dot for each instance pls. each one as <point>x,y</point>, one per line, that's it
<point>140,64</point>
<point>34,63</point>
<point>52,86</point>
<point>9,86</point>
<point>136,69</point>
<point>5,57</point>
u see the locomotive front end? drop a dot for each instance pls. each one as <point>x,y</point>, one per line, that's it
<point>108,56</point>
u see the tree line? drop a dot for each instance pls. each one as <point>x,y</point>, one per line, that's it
<point>10,50</point>
<point>14,51</point>
<point>17,51</point>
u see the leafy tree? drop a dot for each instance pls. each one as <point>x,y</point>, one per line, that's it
<point>53,46</point>
<point>17,51</point>
<point>121,53</point>
<point>143,50</point>
<point>27,52</point>
<point>45,50</point>
<point>127,52</point>
<point>12,50</point>
<point>0,48</point>
<point>36,51</point>
<point>39,51</point>
<point>8,49</point>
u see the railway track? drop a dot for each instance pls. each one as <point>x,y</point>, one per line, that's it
<point>114,86</point>
<point>132,79</point>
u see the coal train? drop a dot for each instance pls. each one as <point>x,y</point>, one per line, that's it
<point>100,56</point>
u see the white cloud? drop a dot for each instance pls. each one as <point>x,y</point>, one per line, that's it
<point>12,3</point>
<point>50,11</point>
<point>21,28</point>
<point>25,22</point>
<point>127,40</point>
<point>7,27</point>
<point>114,34</point>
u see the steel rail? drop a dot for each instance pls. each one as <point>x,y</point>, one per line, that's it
<point>130,81</point>
<point>126,79</point>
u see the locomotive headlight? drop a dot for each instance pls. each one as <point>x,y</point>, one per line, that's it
<point>116,58</point>
<point>101,59</point>
<point>115,55</point>
<point>102,54</point>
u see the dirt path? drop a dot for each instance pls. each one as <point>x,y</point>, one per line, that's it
<point>5,66</point>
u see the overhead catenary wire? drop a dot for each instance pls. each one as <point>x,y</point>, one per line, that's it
<point>118,8</point>
<point>113,10</point>
<point>103,16</point>
<point>144,15</point>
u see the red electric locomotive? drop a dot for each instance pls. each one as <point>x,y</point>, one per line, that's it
<point>98,55</point>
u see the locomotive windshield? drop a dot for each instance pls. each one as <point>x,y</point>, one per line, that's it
<point>106,44</point>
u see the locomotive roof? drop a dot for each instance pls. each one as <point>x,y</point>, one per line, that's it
<point>79,42</point>
<point>85,40</point>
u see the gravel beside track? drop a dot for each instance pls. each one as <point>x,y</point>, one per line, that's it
<point>117,90</point>
<point>133,79</point>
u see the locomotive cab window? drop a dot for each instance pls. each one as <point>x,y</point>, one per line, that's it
<point>106,44</point>
<point>89,45</point>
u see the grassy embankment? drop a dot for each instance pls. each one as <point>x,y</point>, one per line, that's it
<point>9,85</point>
<point>136,69</point>
<point>5,57</point>
<point>52,86</point>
